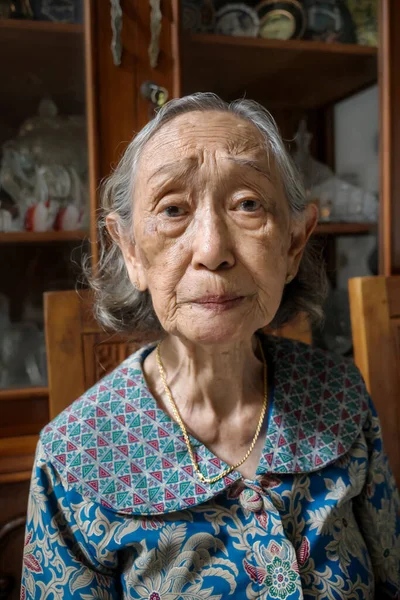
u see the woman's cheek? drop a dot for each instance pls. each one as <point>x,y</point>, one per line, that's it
<point>165,274</point>
<point>143,257</point>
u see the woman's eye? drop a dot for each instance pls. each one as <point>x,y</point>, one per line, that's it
<point>249,205</point>
<point>174,211</point>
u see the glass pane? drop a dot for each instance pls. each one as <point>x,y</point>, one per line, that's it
<point>44,206</point>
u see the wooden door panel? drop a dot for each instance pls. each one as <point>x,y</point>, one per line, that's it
<point>167,73</point>
<point>121,110</point>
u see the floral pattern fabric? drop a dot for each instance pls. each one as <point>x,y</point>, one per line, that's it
<point>116,512</point>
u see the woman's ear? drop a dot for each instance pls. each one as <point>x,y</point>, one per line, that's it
<point>134,266</point>
<point>301,230</point>
<point>113,228</point>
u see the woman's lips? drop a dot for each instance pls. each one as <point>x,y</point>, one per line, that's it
<point>218,303</point>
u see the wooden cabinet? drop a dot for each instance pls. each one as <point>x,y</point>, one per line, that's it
<point>40,59</point>
<point>12,533</point>
<point>16,458</point>
<point>73,63</point>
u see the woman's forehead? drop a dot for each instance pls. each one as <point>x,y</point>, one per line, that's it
<point>213,132</point>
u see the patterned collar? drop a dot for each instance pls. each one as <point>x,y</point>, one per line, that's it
<point>117,448</point>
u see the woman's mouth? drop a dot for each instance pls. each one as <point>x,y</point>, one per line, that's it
<point>218,303</point>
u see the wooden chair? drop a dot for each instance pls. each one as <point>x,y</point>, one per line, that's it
<point>375,322</point>
<point>79,352</point>
<point>16,459</point>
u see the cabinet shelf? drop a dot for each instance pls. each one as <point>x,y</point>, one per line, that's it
<point>33,27</point>
<point>42,236</point>
<point>284,74</point>
<point>22,393</point>
<point>345,228</point>
<point>24,411</point>
<point>16,458</point>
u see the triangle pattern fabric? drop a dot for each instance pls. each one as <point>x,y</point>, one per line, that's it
<point>118,448</point>
<point>319,401</point>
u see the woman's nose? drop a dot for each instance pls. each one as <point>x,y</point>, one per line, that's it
<point>212,245</point>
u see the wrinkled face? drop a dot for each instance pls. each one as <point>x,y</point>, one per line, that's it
<point>214,238</point>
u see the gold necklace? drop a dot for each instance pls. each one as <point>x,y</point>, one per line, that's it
<point>178,418</point>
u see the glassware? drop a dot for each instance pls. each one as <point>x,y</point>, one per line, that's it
<point>66,11</point>
<point>316,176</point>
<point>337,328</point>
<point>4,312</point>
<point>341,201</point>
<point>44,171</point>
<point>22,356</point>
<point>370,207</point>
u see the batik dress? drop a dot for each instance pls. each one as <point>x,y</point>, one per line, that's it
<point>116,511</point>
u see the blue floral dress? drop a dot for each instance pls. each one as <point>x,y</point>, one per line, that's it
<point>116,511</point>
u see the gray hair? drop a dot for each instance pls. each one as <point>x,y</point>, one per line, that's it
<point>118,305</point>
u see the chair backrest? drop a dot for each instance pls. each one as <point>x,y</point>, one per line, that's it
<point>375,322</point>
<point>79,352</point>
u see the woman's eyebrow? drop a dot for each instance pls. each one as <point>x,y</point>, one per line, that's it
<point>176,167</point>
<point>185,167</point>
<point>253,164</point>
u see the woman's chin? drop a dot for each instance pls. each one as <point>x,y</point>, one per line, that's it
<point>207,326</point>
<point>216,331</point>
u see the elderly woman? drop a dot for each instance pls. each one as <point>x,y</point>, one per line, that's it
<point>219,462</point>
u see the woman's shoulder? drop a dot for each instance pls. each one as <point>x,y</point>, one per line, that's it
<point>317,376</point>
<point>92,416</point>
<point>295,359</point>
<point>320,406</point>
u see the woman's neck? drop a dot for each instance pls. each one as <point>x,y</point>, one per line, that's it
<point>222,381</point>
